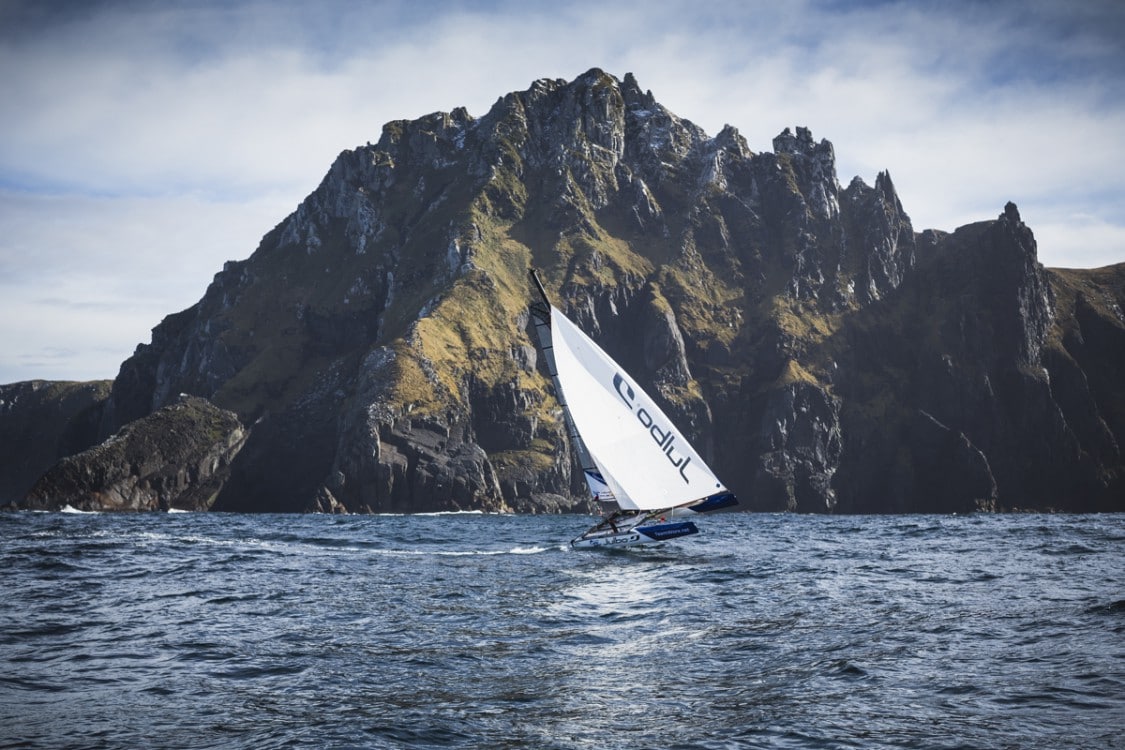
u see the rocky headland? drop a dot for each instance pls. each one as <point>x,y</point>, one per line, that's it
<point>374,353</point>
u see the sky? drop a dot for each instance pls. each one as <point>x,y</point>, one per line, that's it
<point>144,143</point>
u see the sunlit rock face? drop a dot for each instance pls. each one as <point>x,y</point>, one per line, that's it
<point>821,354</point>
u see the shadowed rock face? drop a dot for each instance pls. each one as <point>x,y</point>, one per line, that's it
<point>175,458</point>
<point>41,422</point>
<point>821,354</point>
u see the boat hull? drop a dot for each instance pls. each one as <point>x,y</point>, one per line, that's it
<point>643,534</point>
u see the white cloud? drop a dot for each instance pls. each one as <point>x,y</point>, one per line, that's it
<point>143,145</point>
<point>1076,241</point>
<point>83,280</point>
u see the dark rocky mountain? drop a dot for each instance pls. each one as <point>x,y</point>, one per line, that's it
<point>823,355</point>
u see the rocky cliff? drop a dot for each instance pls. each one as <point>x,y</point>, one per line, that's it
<point>42,422</point>
<point>822,355</point>
<point>176,458</point>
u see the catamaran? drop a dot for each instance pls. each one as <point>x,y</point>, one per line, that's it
<point>643,473</point>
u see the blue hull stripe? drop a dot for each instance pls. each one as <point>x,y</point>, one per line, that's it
<point>663,531</point>
<point>715,502</point>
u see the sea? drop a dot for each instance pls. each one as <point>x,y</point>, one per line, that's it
<point>487,631</point>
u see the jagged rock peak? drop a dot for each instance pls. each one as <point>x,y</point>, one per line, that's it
<point>801,143</point>
<point>547,87</point>
<point>595,86</point>
<point>822,156</point>
<point>634,97</point>
<point>729,139</point>
<point>1012,213</point>
<point>1012,223</point>
<point>444,125</point>
<point>886,186</point>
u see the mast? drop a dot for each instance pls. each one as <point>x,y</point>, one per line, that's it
<point>539,286</point>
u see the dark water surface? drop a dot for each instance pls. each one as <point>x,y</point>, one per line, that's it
<point>780,631</point>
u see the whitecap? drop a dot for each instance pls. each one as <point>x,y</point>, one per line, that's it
<point>451,513</point>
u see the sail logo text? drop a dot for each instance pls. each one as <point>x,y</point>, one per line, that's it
<point>663,437</point>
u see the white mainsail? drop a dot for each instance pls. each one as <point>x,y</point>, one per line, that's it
<point>644,459</point>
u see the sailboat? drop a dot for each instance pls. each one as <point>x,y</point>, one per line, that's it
<point>644,474</point>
